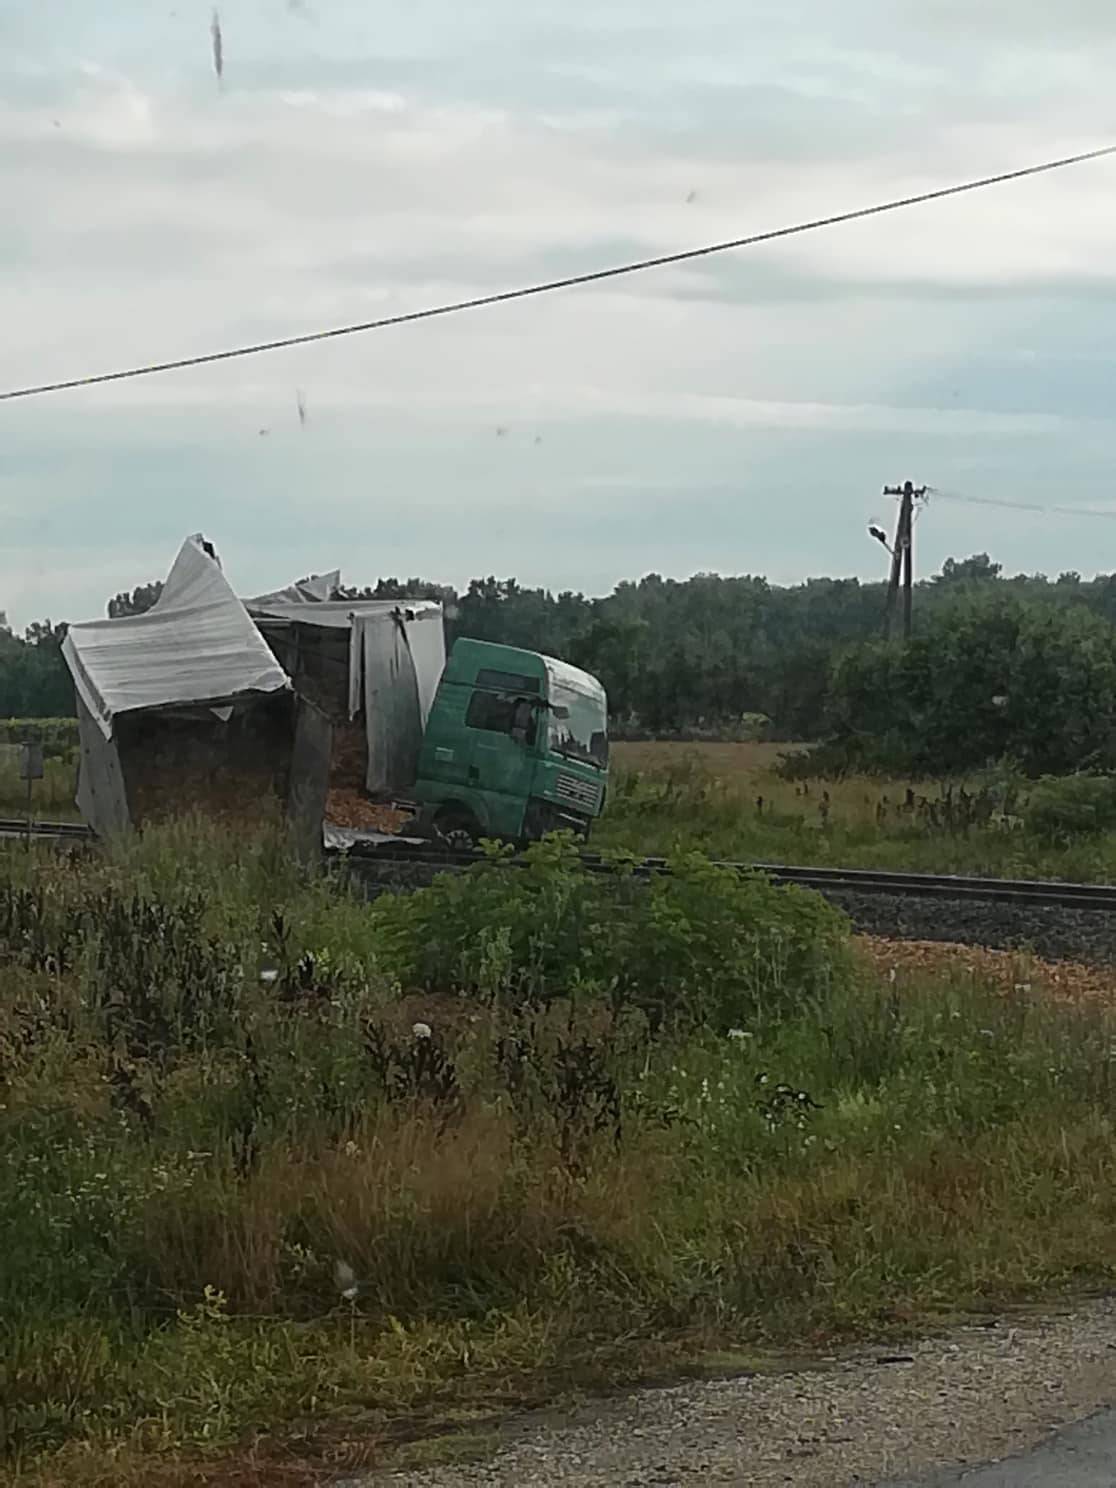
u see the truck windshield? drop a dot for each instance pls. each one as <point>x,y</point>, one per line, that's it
<point>578,726</point>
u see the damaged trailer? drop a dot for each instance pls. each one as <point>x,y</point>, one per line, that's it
<point>496,742</point>
<point>345,713</point>
<point>372,666</point>
<point>186,706</point>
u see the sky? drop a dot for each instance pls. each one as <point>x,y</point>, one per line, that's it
<point>739,414</point>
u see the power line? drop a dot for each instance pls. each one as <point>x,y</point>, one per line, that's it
<point>547,287</point>
<point>1024,506</point>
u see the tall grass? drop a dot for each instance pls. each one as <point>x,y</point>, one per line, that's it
<point>731,802</point>
<point>52,796</point>
<point>412,1168</point>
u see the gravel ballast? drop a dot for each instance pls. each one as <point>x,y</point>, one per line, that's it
<point>1048,931</point>
<point>884,1415</point>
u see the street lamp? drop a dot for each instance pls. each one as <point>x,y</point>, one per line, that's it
<point>879,534</point>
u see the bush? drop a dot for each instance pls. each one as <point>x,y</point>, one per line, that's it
<point>696,945</point>
<point>1073,806</point>
<point>987,677</point>
<point>58,736</point>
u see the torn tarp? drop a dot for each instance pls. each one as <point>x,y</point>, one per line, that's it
<point>197,644</point>
<point>395,664</point>
<point>317,589</point>
<point>396,656</point>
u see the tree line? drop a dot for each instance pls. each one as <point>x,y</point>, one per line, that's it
<point>704,653</point>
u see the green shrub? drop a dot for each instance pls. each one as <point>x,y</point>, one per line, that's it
<point>698,944</point>
<point>58,736</point>
<point>1072,806</point>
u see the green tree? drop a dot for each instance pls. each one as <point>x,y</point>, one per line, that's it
<point>992,675</point>
<point>979,566</point>
<point>34,680</point>
<point>138,602</point>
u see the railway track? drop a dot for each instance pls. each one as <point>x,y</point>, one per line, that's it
<point>71,831</point>
<point>951,887</point>
<point>371,859</point>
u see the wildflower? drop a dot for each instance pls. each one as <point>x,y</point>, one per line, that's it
<point>344,1278</point>
<point>738,1033</point>
<point>422,1031</point>
<point>269,975</point>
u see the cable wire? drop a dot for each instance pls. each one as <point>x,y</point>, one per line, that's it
<point>549,286</point>
<point>1025,506</point>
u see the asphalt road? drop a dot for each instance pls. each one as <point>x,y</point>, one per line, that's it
<point>1080,1456</point>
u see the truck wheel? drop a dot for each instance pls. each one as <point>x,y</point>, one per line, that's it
<point>458,829</point>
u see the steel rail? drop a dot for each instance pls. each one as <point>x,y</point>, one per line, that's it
<point>826,880</point>
<point>430,857</point>
<point>18,827</point>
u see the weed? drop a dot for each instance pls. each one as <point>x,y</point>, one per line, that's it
<point>551,1126</point>
<point>771,804</point>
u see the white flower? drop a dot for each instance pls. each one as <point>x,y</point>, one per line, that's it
<point>422,1031</point>
<point>738,1033</point>
<point>269,975</point>
<point>345,1280</point>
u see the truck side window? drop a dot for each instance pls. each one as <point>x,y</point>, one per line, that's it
<point>488,710</point>
<point>524,725</point>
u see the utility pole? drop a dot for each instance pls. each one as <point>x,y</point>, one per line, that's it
<point>902,556</point>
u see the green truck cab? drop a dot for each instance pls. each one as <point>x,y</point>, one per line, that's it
<point>515,746</point>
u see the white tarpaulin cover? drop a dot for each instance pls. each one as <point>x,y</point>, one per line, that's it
<point>197,644</point>
<point>397,653</point>
<point>332,614</point>
<point>417,626</point>
<point>396,661</point>
<point>314,590</point>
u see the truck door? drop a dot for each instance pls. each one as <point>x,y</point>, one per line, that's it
<point>502,731</point>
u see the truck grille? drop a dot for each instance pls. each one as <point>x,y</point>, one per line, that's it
<point>583,793</point>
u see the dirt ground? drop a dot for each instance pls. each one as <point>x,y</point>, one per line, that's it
<point>1009,970</point>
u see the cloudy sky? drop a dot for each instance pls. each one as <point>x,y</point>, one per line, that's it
<point>738,414</point>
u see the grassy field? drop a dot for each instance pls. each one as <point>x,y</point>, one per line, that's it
<point>286,1179</point>
<point>52,797</point>
<point>728,800</point>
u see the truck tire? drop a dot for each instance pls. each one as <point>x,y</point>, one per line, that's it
<point>457,828</point>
